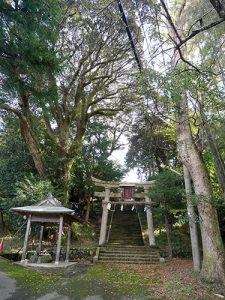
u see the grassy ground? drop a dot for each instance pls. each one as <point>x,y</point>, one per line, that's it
<point>173,280</point>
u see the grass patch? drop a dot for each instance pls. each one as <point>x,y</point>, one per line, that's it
<point>105,280</point>
<point>125,281</point>
<point>178,291</point>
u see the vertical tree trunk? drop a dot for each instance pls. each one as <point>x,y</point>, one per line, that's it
<point>213,266</point>
<point>218,160</point>
<point>88,208</point>
<point>2,224</point>
<point>168,234</point>
<point>31,143</point>
<point>192,223</point>
<point>168,230</point>
<point>67,180</point>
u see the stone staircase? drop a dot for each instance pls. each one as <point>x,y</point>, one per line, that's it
<point>125,229</point>
<point>125,243</point>
<point>128,254</point>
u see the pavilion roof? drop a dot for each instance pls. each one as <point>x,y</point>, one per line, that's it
<point>49,206</point>
<point>43,209</point>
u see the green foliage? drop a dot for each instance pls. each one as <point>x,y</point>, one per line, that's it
<point>168,189</point>
<point>15,160</point>
<point>152,144</point>
<point>28,191</point>
<point>82,233</point>
<point>28,33</point>
<point>99,143</point>
<point>180,238</point>
<point>32,189</point>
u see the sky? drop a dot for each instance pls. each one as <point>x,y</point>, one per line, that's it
<point>119,155</point>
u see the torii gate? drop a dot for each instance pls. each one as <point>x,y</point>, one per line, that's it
<point>127,194</point>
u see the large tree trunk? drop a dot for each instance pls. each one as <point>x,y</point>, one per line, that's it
<point>192,223</point>
<point>219,6</point>
<point>67,179</point>
<point>213,266</point>
<point>31,143</point>
<point>218,160</point>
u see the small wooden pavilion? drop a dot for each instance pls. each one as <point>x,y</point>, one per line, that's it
<point>48,212</point>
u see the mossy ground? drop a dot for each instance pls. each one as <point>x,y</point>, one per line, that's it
<point>174,280</point>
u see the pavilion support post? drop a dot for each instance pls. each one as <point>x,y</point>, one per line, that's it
<point>59,240</point>
<point>104,221</point>
<point>26,239</point>
<point>151,235</point>
<point>40,239</point>
<point>68,243</point>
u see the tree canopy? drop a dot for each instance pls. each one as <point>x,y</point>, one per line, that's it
<point>76,77</point>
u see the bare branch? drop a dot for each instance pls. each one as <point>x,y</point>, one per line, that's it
<point>170,20</point>
<point>197,31</point>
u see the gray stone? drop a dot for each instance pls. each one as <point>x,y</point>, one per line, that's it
<point>162,260</point>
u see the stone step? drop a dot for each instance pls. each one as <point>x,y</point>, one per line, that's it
<point>127,260</point>
<point>129,253</point>
<point>124,241</point>
<point>128,242</point>
<point>114,250</point>
<point>121,238</point>
<point>124,230</point>
<point>128,256</point>
<point>124,235</point>
<point>127,231</point>
<point>148,247</point>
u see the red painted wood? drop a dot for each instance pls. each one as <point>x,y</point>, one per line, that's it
<point>127,192</point>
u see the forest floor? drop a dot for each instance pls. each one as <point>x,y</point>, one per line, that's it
<point>173,280</point>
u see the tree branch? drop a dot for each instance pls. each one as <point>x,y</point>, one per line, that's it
<point>103,112</point>
<point>197,31</point>
<point>10,108</point>
<point>170,20</point>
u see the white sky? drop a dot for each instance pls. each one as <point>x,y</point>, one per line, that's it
<point>119,155</point>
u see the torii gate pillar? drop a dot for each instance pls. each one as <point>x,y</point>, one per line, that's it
<point>151,235</point>
<point>104,221</point>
